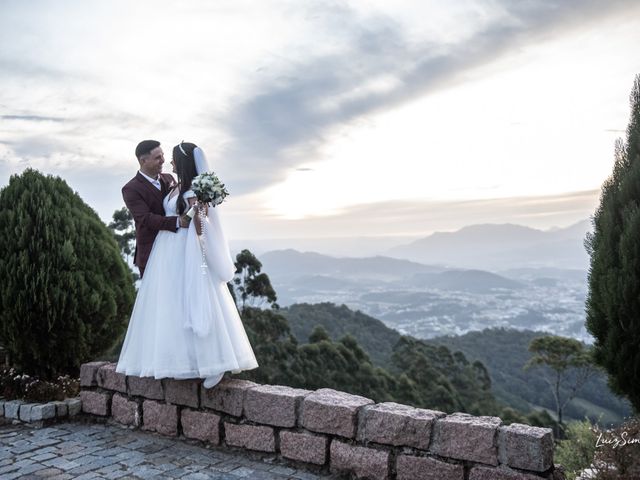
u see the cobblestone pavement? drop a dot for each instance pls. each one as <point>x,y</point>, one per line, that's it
<point>82,451</point>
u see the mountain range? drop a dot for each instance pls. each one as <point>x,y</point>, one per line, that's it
<point>496,247</point>
<point>492,247</point>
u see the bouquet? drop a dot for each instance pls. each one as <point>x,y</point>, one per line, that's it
<point>209,189</point>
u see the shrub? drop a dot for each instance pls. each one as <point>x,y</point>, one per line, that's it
<point>66,293</point>
<point>15,385</point>
<point>576,452</point>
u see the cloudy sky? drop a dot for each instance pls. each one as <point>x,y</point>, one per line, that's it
<point>328,118</point>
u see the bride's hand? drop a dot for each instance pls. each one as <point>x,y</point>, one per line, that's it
<point>203,208</point>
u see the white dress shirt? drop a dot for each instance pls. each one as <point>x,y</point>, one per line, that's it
<point>156,183</point>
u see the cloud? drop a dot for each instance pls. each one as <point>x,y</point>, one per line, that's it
<point>32,118</point>
<point>419,217</point>
<point>30,147</point>
<point>281,123</point>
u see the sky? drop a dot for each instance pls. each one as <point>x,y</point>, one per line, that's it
<point>328,119</point>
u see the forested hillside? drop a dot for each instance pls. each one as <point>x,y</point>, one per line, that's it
<point>417,374</point>
<point>502,351</point>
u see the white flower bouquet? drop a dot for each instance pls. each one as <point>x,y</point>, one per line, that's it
<point>209,189</point>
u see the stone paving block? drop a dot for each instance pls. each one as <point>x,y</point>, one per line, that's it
<point>43,456</point>
<point>159,417</point>
<point>49,472</point>
<point>273,404</point>
<point>109,379</point>
<point>203,426</point>
<point>88,373</point>
<point>467,437</point>
<point>526,447</point>
<point>250,436</point>
<point>147,387</point>
<point>43,411</point>
<point>125,411</point>
<point>331,411</point>
<point>395,424</point>
<point>227,396</point>
<point>487,473</point>
<point>182,392</point>
<point>362,461</point>
<point>74,405</point>
<point>304,447</point>
<point>409,467</point>
<point>12,409</point>
<point>24,471</point>
<point>61,463</point>
<point>96,403</point>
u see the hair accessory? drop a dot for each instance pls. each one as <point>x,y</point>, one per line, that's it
<point>182,150</point>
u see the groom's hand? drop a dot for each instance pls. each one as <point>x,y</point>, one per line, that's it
<point>184,221</point>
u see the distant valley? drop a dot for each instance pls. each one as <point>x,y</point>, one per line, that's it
<point>426,301</point>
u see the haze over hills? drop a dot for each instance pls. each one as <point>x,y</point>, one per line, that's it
<point>339,246</point>
<point>497,247</point>
<point>450,283</point>
<point>290,263</point>
<point>490,247</point>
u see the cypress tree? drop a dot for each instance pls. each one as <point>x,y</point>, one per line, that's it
<point>613,302</point>
<point>66,294</point>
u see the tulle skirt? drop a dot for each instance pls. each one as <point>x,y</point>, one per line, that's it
<point>159,344</point>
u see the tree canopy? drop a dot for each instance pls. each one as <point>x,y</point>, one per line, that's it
<point>559,356</point>
<point>253,287</point>
<point>613,302</point>
<point>66,293</point>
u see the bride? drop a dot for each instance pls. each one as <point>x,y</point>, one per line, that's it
<point>185,323</point>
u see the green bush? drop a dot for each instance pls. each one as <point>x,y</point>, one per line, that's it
<point>576,452</point>
<point>14,385</point>
<point>66,293</point>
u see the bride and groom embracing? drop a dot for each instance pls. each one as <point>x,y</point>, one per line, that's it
<point>184,323</point>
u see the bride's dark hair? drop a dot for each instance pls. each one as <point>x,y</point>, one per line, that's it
<point>185,169</point>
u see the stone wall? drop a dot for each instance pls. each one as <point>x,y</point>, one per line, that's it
<point>325,430</point>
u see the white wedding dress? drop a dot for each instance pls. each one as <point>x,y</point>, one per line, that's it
<point>185,323</point>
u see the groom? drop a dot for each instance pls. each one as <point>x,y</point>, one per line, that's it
<point>143,196</point>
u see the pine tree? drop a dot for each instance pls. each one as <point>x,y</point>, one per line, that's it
<point>613,303</point>
<point>254,288</point>
<point>124,231</point>
<point>559,357</point>
<point>66,293</point>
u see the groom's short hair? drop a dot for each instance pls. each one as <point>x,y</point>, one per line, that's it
<point>145,146</point>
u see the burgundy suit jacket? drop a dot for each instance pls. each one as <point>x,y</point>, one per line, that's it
<point>144,201</point>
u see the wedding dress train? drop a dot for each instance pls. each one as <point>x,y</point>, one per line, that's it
<point>185,323</point>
